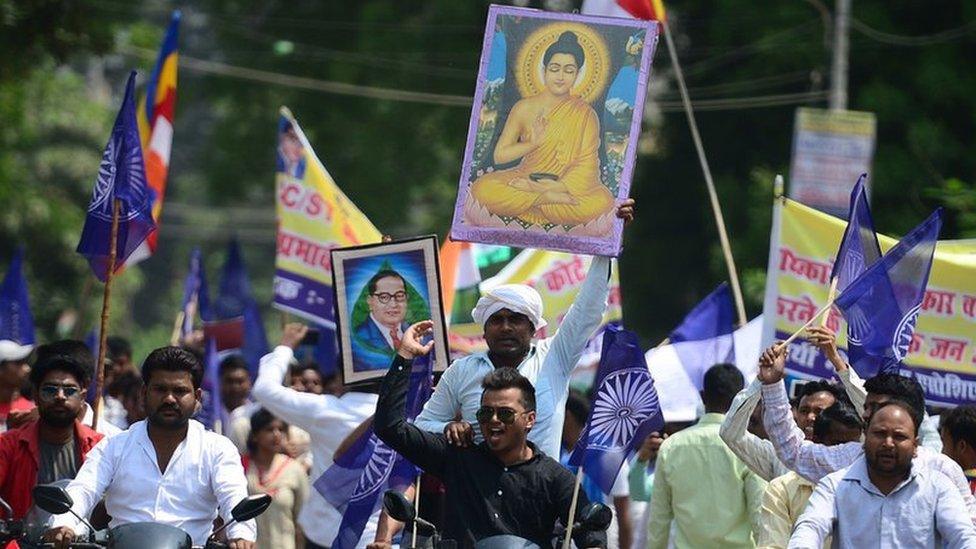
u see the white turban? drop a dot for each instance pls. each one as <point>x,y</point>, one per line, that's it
<point>517,298</point>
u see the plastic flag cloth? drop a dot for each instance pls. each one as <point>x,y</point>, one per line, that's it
<point>16,320</point>
<point>122,178</point>
<point>625,410</point>
<point>355,483</point>
<point>859,247</point>
<point>235,301</point>
<point>705,336</point>
<point>881,306</point>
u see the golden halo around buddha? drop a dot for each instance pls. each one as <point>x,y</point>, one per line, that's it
<point>593,74</point>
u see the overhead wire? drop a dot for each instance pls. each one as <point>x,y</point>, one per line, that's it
<point>912,41</point>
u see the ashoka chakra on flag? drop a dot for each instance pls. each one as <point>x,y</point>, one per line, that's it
<point>625,400</point>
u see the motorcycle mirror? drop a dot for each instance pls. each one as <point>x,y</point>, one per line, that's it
<point>595,517</point>
<point>396,505</point>
<point>53,499</point>
<point>250,507</point>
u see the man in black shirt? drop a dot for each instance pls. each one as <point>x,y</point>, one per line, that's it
<point>504,485</point>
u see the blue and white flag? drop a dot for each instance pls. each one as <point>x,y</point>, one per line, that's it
<point>16,320</point>
<point>122,178</point>
<point>881,306</point>
<point>212,414</point>
<point>705,336</point>
<point>625,410</point>
<point>195,299</point>
<point>859,247</point>
<point>235,301</point>
<point>354,485</point>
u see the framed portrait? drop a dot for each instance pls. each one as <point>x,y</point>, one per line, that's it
<point>553,133</point>
<point>380,290</point>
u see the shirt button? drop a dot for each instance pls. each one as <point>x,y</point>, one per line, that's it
<point>400,368</point>
<point>496,515</point>
<point>506,469</point>
<point>499,492</point>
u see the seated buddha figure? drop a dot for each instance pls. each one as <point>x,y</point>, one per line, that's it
<point>557,137</point>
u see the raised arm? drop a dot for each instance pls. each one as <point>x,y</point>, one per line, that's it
<point>582,319</point>
<point>424,449</point>
<point>826,340</point>
<point>758,454</point>
<point>811,461</point>
<point>300,409</point>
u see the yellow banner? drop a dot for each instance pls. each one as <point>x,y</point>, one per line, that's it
<point>942,354</point>
<point>314,216</point>
<point>557,276</point>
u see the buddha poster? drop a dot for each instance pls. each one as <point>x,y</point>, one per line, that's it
<point>553,132</point>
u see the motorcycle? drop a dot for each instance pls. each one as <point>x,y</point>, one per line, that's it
<point>594,517</point>
<point>139,535</point>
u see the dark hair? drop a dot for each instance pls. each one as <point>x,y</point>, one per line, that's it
<point>904,405</point>
<point>578,406</point>
<point>960,423</point>
<point>822,386</point>
<point>126,384</point>
<point>841,412</point>
<point>509,378</point>
<point>566,43</point>
<point>118,347</point>
<point>906,389</point>
<point>259,420</point>
<point>66,355</point>
<point>385,273</point>
<point>173,359</point>
<point>301,367</point>
<point>231,363</point>
<point>721,384</point>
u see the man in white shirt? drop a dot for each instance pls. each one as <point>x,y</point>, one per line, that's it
<point>511,314</point>
<point>882,499</point>
<point>165,469</point>
<point>328,420</point>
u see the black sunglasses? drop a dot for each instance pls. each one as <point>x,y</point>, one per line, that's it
<point>505,415</point>
<point>50,392</point>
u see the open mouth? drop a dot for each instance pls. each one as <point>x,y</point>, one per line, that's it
<point>495,434</point>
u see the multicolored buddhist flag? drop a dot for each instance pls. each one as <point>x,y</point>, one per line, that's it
<point>314,216</point>
<point>155,116</point>
<point>651,10</point>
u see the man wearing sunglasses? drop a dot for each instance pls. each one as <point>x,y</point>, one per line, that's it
<point>375,339</point>
<point>54,446</point>
<point>502,486</point>
<point>511,315</point>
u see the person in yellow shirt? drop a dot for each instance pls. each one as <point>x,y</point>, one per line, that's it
<point>699,484</point>
<point>786,496</point>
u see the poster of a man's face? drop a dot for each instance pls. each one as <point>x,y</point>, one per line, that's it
<point>380,291</point>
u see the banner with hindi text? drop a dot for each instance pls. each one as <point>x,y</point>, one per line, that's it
<point>314,216</point>
<point>942,354</point>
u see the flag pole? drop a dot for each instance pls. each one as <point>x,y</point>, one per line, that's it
<point>106,297</point>
<point>416,507</point>
<point>572,508</point>
<point>796,334</point>
<point>712,195</point>
<point>831,294</point>
<point>174,338</point>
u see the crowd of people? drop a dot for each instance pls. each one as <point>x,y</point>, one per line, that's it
<point>850,462</point>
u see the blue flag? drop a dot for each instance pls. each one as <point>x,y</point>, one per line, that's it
<point>859,247</point>
<point>195,299</point>
<point>213,409</point>
<point>705,336</point>
<point>881,306</point>
<point>625,410</point>
<point>235,301</point>
<point>122,178</point>
<point>355,483</point>
<point>16,320</point>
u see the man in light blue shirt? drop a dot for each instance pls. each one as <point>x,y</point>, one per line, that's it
<point>881,500</point>
<point>511,314</point>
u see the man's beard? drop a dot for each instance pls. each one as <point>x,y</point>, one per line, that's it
<point>57,418</point>
<point>174,422</point>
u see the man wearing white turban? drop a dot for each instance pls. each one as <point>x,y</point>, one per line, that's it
<point>511,314</point>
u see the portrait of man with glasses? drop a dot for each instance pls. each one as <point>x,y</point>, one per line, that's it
<point>380,333</point>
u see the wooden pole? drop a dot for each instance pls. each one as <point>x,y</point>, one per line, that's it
<point>416,507</point>
<point>712,195</point>
<point>831,295</point>
<point>103,330</point>
<point>796,334</point>
<point>572,508</point>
